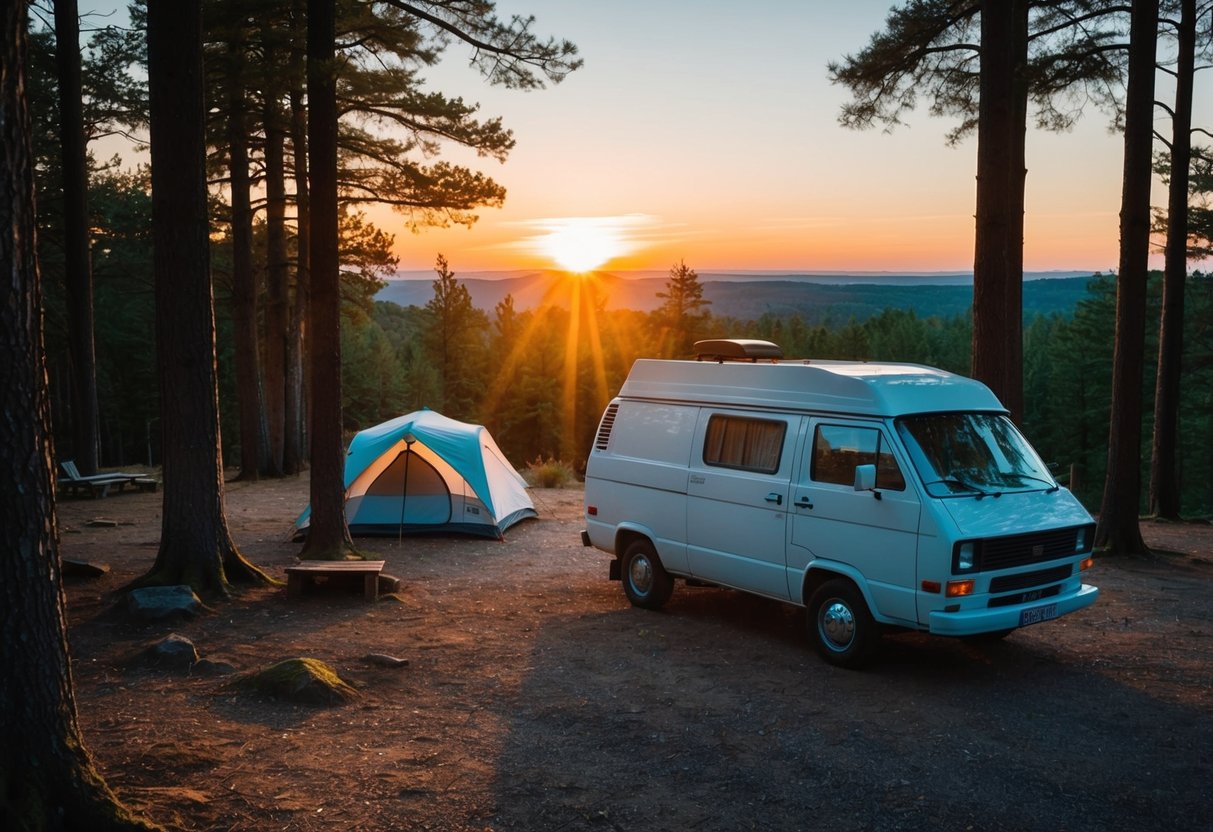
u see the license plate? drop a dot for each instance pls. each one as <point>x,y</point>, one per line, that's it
<point>1035,615</point>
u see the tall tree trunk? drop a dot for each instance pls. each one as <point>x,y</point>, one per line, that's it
<point>1119,529</point>
<point>78,272</point>
<point>294,448</point>
<point>195,546</point>
<point>244,283</point>
<point>47,780</point>
<point>1164,476</point>
<point>329,535</point>
<point>998,245</point>
<point>277,264</point>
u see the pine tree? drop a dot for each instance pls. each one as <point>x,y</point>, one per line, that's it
<point>195,545</point>
<point>681,312</point>
<point>454,342</point>
<point>1057,56</point>
<point>1119,530</point>
<point>48,780</point>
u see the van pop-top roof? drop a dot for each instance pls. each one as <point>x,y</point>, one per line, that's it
<point>858,387</point>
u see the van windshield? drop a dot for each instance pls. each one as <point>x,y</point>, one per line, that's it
<point>974,454</point>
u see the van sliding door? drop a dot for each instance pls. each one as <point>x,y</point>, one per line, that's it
<point>737,499</point>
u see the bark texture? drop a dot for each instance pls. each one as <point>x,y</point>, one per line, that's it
<point>78,271</point>
<point>277,263</point>
<point>244,283</point>
<point>1164,467</point>
<point>195,546</point>
<point>47,780</point>
<point>329,536</point>
<point>1119,529</point>
<point>294,448</point>
<point>998,243</point>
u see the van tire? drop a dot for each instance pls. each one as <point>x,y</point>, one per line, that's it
<point>840,624</point>
<point>645,581</point>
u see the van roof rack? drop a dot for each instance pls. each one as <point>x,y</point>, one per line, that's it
<point>736,349</point>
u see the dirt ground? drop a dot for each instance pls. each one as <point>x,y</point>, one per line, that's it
<point>536,698</point>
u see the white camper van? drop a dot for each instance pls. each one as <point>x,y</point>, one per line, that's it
<point>875,495</point>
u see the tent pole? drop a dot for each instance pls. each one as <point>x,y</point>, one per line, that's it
<point>404,491</point>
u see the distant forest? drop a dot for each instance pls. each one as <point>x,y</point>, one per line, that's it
<point>540,377</point>
<point>831,300</point>
<point>511,369</point>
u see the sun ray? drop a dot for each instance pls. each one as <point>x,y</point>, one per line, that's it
<point>599,365</point>
<point>569,422</point>
<point>581,296</point>
<point>504,379</point>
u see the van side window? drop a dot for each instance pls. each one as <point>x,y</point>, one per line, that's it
<point>838,449</point>
<point>747,444</point>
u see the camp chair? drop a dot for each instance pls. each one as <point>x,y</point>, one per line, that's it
<point>98,485</point>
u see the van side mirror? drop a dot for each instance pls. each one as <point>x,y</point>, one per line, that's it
<point>865,477</point>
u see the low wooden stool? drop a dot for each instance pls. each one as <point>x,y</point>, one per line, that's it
<point>303,574</point>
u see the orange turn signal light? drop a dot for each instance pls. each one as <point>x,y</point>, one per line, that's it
<point>958,588</point>
<point>931,586</point>
<point>1086,564</point>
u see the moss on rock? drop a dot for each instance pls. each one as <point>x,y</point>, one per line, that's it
<point>309,681</point>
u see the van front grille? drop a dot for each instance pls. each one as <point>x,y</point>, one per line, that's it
<point>604,428</point>
<point>1007,583</point>
<point>1024,549</point>
<point>1024,597</point>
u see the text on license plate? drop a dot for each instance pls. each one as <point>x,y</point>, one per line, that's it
<point>1035,615</point>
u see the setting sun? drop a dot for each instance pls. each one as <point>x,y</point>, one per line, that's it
<point>581,244</point>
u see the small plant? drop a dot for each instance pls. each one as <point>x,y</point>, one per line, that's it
<point>551,473</point>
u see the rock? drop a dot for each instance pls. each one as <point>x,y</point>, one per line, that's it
<point>84,569</point>
<point>388,584</point>
<point>173,651</point>
<point>309,681</point>
<point>155,603</point>
<point>384,660</point>
<point>102,523</point>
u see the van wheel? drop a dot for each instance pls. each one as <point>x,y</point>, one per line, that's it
<point>842,628</point>
<point>645,581</point>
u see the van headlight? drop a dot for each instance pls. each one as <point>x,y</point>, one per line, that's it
<point>1084,539</point>
<point>965,556</point>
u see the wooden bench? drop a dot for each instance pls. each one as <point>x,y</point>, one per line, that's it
<point>304,574</point>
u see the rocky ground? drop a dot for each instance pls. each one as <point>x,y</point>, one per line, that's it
<point>535,698</point>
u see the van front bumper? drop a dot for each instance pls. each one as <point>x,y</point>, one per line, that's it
<point>976,622</point>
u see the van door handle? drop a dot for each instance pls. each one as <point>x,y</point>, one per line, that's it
<point>803,502</point>
<point>775,497</point>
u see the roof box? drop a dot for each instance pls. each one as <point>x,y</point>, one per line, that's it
<point>736,349</point>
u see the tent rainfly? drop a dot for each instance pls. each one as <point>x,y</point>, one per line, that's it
<point>423,472</point>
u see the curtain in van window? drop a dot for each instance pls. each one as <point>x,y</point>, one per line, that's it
<point>748,444</point>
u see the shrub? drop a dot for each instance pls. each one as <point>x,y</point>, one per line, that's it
<point>551,473</point>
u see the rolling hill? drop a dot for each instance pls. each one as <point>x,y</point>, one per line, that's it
<point>817,298</point>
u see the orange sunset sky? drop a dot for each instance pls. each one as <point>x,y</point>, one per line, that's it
<point>708,132</point>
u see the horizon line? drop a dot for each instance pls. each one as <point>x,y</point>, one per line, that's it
<point>748,272</point>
